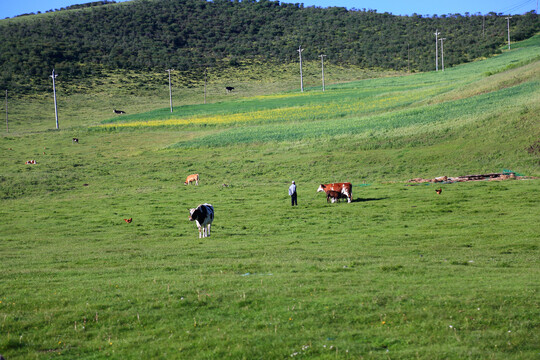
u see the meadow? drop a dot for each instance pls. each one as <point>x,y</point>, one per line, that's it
<point>399,273</point>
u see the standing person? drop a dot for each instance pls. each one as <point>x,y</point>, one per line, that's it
<point>292,193</point>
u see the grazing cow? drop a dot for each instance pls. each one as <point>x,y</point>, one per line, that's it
<point>75,140</point>
<point>229,88</point>
<point>343,188</point>
<point>203,215</point>
<point>118,111</point>
<point>192,178</point>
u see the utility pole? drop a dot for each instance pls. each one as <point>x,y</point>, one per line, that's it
<point>408,58</point>
<point>54,92</point>
<point>205,72</point>
<point>508,21</point>
<point>322,66</point>
<point>301,77</point>
<point>442,52</point>
<point>170,90</point>
<point>7,126</point>
<point>437,33</point>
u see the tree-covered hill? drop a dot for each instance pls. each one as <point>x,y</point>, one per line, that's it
<point>189,34</point>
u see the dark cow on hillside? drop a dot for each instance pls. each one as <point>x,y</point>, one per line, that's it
<point>118,111</point>
<point>75,140</point>
<point>342,188</point>
<point>229,88</point>
<point>203,215</point>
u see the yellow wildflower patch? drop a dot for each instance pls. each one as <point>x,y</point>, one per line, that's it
<point>318,111</point>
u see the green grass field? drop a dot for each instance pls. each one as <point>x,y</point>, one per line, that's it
<point>400,273</point>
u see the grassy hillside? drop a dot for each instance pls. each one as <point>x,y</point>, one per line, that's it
<point>88,102</point>
<point>399,273</point>
<point>495,100</point>
<point>189,35</point>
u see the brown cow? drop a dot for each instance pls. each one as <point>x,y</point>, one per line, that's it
<point>343,188</point>
<point>334,196</point>
<point>191,178</point>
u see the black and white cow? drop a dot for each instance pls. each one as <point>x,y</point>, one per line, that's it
<point>203,215</point>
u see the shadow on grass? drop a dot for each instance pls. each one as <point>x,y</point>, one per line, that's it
<point>368,199</point>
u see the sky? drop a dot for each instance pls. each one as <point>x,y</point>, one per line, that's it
<point>11,8</point>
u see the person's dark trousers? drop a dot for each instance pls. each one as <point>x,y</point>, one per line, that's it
<point>293,200</point>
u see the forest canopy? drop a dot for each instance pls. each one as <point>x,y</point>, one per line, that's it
<point>189,34</point>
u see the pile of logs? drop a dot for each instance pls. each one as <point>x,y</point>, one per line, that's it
<point>446,179</point>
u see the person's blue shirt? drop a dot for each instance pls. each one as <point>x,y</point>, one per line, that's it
<point>292,189</point>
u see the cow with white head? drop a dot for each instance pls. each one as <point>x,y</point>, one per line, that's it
<point>344,189</point>
<point>203,215</point>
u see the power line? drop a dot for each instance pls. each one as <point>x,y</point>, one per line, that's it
<point>516,6</point>
<point>513,8</point>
